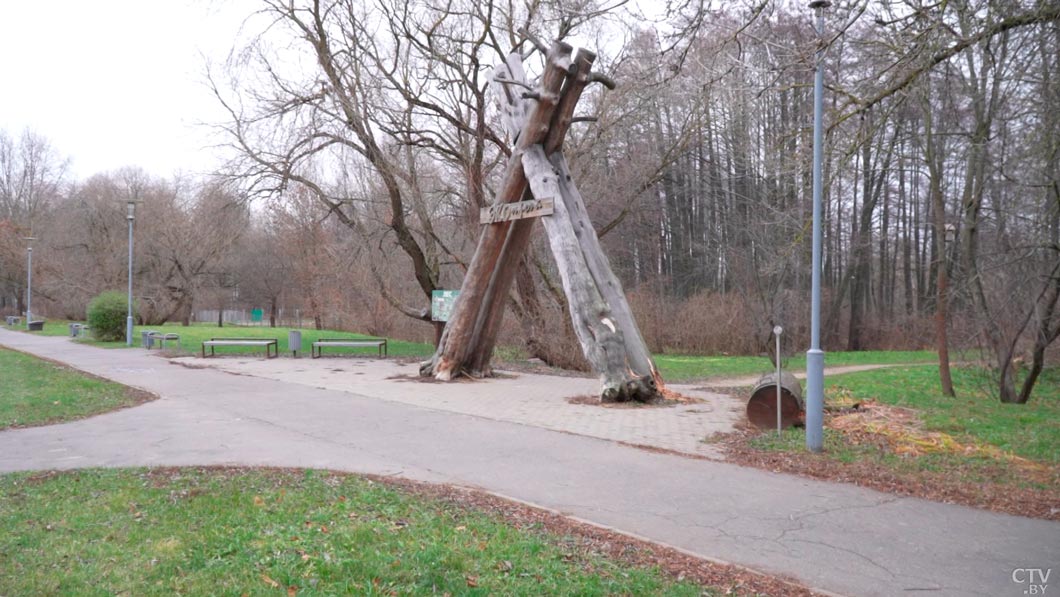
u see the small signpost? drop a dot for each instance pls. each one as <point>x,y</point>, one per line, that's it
<point>506,212</point>
<point>777,331</point>
<point>442,302</point>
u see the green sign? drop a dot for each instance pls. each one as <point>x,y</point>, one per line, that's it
<point>442,302</point>
<point>255,314</point>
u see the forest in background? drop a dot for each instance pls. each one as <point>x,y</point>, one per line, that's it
<point>364,140</point>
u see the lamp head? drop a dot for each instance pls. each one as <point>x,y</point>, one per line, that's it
<point>820,4</point>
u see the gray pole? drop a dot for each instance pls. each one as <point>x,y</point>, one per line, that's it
<point>777,331</point>
<point>129,318</point>
<point>815,356</point>
<point>29,286</point>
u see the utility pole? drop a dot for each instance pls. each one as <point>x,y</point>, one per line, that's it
<point>29,279</point>
<point>129,318</point>
<point>815,356</point>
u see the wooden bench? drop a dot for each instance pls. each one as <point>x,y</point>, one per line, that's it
<point>266,342</point>
<point>316,348</point>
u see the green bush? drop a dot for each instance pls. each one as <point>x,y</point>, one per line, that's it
<point>106,316</point>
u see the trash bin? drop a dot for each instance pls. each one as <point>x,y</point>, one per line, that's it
<point>74,328</point>
<point>147,338</point>
<point>294,341</point>
<point>762,406</point>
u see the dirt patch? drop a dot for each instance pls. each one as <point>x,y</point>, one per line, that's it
<point>672,399</point>
<point>540,368</point>
<point>413,378</point>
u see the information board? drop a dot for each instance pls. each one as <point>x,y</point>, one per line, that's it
<point>442,302</point>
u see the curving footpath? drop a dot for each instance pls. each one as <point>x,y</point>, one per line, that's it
<point>833,537</point>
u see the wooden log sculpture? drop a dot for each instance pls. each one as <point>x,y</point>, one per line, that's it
<point>538,121</point>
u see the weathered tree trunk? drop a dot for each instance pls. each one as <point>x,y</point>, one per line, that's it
<point>519,236</point>
<point>933,157</point>
<point>484,283</point>
<point>601,316</point>
<point>610,340</point>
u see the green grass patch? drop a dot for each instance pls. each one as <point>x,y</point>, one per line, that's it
<point>192,337</point>
<point>692,367</point>
<point>1029,430</point>
<point>38,392</point>
<point>52,327</point>
<point>218,532</point>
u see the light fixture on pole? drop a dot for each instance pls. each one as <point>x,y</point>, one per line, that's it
<point>129,318</point>
<point>29,279</point>
<point>815,356</point>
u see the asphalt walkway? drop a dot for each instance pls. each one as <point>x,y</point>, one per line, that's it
<point>839,538</point>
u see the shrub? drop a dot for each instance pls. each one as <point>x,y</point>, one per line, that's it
<point>106,316</point>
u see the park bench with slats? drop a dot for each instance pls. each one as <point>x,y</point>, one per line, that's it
<point>265,342</point>
<point>318,345</point>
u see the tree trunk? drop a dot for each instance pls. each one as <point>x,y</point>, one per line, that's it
<point>933,157</point>
<point>618,358</point>
<point>483,283</point>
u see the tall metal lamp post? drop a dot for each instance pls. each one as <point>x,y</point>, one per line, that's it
<point>129,319</point>
<point>29,279</point>
<point>815,356</point>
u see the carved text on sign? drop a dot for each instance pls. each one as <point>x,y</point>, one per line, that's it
<point>506,212</point>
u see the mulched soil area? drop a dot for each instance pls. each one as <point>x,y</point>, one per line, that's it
<point>947,487</point>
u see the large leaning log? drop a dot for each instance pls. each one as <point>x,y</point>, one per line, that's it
<point>483,284</point>
<point>605,344</point>
<point>603,321</point>
<point>521,230</point>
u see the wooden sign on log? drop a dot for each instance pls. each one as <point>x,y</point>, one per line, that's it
<point>518,210</point>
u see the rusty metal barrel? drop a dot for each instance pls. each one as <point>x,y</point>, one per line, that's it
<point>762,406</point>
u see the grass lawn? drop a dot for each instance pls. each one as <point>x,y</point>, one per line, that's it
<point>692,367</point>
<point>970,449</point>
<point>191,338</point>
<point>676,368</point>
<point>1029,430</point>
<point>226,532</point>
<point>37,392</point>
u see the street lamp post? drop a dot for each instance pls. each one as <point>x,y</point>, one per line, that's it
<point>129,318</point>
<point>29,279</point>
<point>815,356</point>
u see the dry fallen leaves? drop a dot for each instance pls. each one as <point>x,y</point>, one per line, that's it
<point>269,581</point>
<point>472,581</point>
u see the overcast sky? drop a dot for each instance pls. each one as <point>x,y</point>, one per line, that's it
<point>115,83</point>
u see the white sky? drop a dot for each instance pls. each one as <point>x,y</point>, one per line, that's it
<point>115,83</point>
